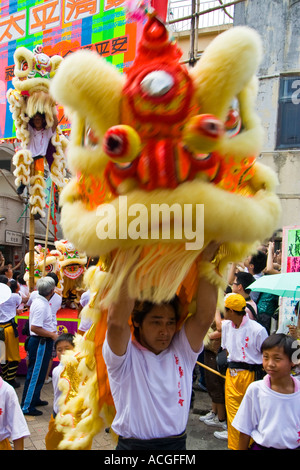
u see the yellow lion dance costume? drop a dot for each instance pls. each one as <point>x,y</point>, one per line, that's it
<point>44,263</point>
<point>33,72</point>
<point>71,272</point>
<point>162,134</point>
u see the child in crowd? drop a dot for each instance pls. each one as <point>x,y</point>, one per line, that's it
<point>270,410</point>
<point>13,425</point>
<point>65,342</point>
<point>24,291</point>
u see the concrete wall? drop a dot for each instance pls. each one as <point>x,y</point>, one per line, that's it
<point>277,21</point>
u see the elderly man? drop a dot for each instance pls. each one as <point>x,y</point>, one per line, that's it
<point>42,334</point>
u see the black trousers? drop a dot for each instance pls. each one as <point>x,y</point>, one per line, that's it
<point>164,443</point>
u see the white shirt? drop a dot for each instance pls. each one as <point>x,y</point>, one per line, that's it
<point>152,393</point>
<point>12,422</point>
<point>24,292</point>
<point>8,309</point>
<point>272,419</point>
<point>243,344</point>
<point>85,323</point>
<point>85,298</point>
<point>41,315</point>
<point>32,297</point>
<point>55,303</point>
<point>39,140</point>
<point>56,392</point>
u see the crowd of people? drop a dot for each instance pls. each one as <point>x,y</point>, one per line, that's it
<point>243,351</point>
<point>42,345</point>
<point>234,354</point>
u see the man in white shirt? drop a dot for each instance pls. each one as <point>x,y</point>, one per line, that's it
<point>42,334</point>
<point>151,374</point>
<point>242,338</point>
<point>55,301</point>
<point>240,286</point>
<point>255,265</point>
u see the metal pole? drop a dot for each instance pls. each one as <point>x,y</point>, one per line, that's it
<point>209,10</point>
<point>192,59</point>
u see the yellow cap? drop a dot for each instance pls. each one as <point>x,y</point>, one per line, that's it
<point>235,302</point>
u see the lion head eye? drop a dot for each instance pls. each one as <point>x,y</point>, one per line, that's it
<point>157,83</point>
<point>24,65</point>
<point>233,123</point>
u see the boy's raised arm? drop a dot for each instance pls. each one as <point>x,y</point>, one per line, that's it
<point>118,329</point>
<point>198,324</point>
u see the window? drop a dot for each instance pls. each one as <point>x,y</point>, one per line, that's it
<point>288,126</point>
<point>5,165</point>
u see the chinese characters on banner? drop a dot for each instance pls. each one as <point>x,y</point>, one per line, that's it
<point>61,27</point>
<point>290,263</point>
<point>180,374</point>
<point>292,258</point>
<point>49,15</point>
<point>13,27</point>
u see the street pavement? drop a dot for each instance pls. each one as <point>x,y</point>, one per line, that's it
<point>199,435</point>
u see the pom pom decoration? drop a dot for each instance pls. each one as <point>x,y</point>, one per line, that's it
<point>194,141</point>
<point>137,10</point>
<point>45,261</point>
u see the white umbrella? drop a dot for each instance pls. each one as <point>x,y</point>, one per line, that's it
<point>5,293</point>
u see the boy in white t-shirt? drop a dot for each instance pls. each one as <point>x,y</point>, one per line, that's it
<point>65,342</point>
<point>151,375</point>
<point>270,410</point>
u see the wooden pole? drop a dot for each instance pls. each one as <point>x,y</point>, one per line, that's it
<point>47,228</point>
<point>31,240</point>
<point>211,370</point>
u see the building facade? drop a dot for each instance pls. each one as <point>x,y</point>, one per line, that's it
<point>278,103</point>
